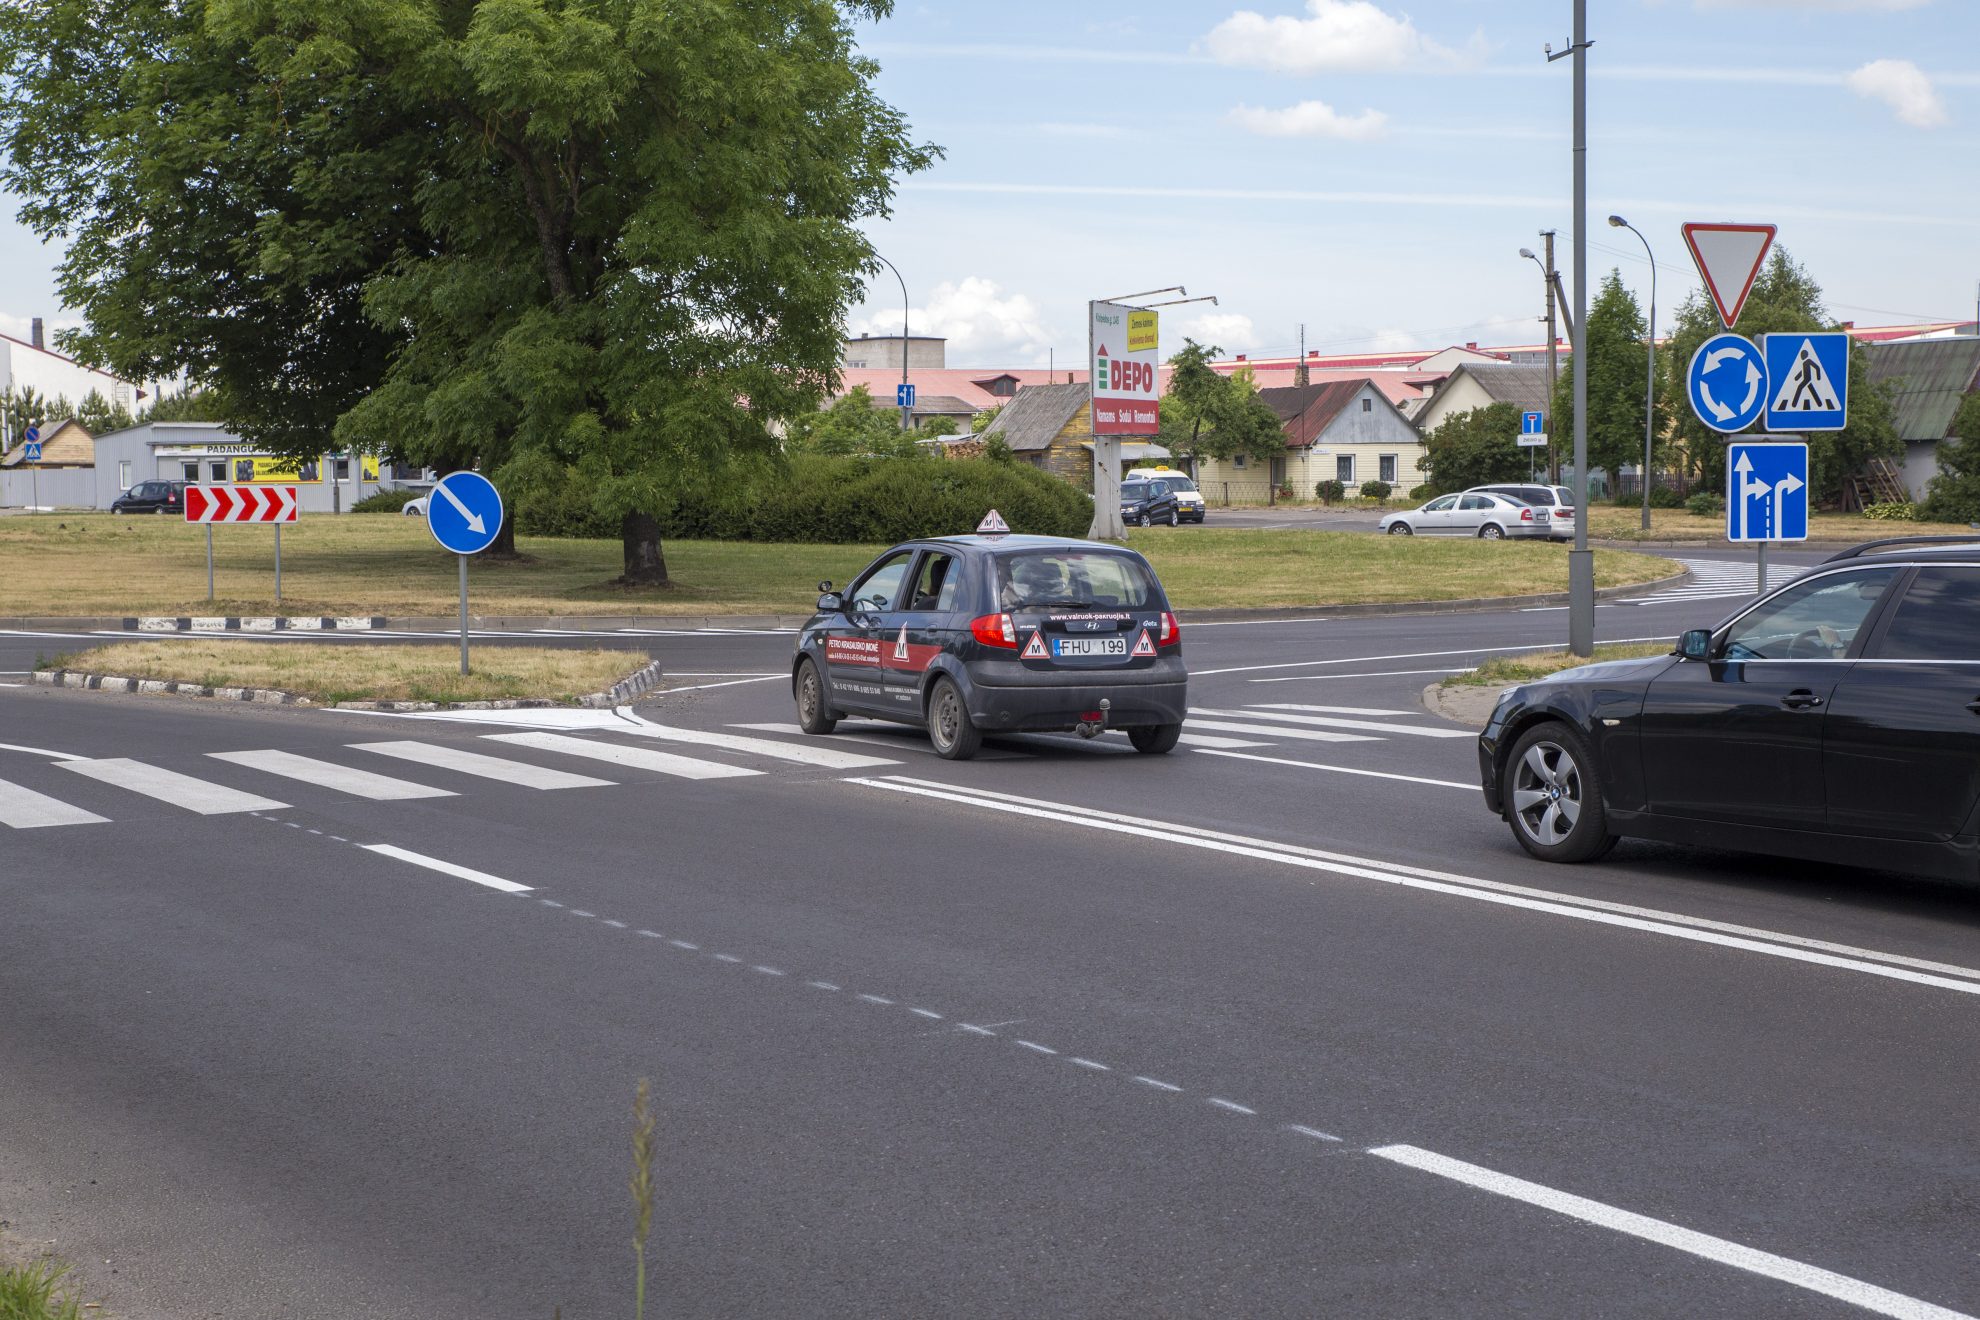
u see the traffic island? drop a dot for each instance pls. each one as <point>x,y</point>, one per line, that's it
<point>1468,698</point>
<point>359,678</point>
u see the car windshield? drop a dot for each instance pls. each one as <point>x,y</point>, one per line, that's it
<point>1074,579</point>
<point>1180,483</point>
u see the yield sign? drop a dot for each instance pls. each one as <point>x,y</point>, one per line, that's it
<point>1729,259</point>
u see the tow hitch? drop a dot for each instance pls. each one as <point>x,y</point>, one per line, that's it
<point>1094,723</point>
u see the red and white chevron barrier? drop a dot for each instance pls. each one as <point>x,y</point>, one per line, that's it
<point>237,504</point>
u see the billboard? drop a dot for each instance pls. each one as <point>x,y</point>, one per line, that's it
<point>1126,366</point>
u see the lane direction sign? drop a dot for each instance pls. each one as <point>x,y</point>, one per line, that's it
<point>464,512</point>
<point>1729,258</point>
<point>904,395</point>
<point>1727,383</point>
<point>1767,492</point>
<point>1807,381</point>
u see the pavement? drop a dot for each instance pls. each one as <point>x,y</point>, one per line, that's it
<point>316,1013</point>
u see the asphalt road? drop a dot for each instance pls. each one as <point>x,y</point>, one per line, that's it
<point>1277,1025</point>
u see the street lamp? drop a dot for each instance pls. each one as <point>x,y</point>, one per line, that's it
<point>905,424</point>
<point>1650,390</point>
<point>1550,279</point>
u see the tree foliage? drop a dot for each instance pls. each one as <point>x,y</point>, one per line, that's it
<point>1954,495</point>
<point>1475,447</point>
<point>615,235</point>
<point>1616,381</point>
<point>1784,298</point>
<point>1207,414</point>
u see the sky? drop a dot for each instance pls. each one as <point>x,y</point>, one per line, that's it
<point>1371,170</point>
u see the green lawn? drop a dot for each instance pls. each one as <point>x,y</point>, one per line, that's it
<point>81,564</point>
<point>1608,523</point>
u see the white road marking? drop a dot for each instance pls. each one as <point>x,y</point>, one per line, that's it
<point>1795,1273</point>
<point>616,925</point>
<point>1212,740</point>
<point>639,758</point>
<point>650,934</point>
<point>828,757</point>
<point>25,809</point>
<point>42,751</point>
<point>1315,1133</point>
<point>580,912</point>
<point>1334,710</point>
<point>1088,1063</point>
<point>549,902</point>
<point>1278,731</point>
<point>821,985</point>
<point>1231,1105</point>
<point>1160,1086</point>
<point>1412,655</point>
<point>446,868</point>
<point>876,999</point>
<point>1773,944</point>
<point>911,741</point>
<point>519,773</point>
<point>1379,673</point>
<point>767,971</point>
<point>169,786</point>
<point>975,1030</point>
<point>1336,722</point>
<point>1034,1045</point>
<point>683,944</point>
<point>929,1013</point>
<point>726,957</point>
<point>703,687</point>
<point>324,774</point>
<point>1350,770</point>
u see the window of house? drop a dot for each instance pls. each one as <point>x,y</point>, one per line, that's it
<point>1368,405</point>
<point>1386,464</point>
<point>340,469</point>
<point>1344,469</point>
<point>1238,461</point>
<point>217,471</point>
<point>190,471</point>
<point>123,474</point>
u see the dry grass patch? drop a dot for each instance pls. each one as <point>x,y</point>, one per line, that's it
<point>1606,522</point>
<point>328,672</point>
<point>1526,668</point>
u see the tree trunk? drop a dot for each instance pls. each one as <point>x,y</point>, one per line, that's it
<point>504,544</point>
<point>646,565</point>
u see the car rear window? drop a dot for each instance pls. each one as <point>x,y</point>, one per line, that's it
<point>1035,579</point>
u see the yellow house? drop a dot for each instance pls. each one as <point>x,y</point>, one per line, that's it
<point>1342,430</point>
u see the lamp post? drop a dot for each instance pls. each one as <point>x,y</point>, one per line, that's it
<point>1547,279</point>
<point>1581,560</point>
<point>905,423</point>
<point>1650,343</point>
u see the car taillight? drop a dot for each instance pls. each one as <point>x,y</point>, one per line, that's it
<point>1526,515</point>
<point>994,630</point>
<point>1171,630</point>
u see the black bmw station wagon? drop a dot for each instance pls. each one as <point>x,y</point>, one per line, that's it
<point>968,635</point>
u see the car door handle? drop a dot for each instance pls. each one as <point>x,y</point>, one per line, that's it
<point>1974,706</point>
<point>1801,700</point>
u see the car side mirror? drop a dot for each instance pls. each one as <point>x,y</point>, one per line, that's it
<point>1696,644</point>
<point>830,602</point>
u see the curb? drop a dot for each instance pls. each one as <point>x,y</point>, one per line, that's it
<point>1466,705</point>
<point>263,623</point>
<point>618,694</point>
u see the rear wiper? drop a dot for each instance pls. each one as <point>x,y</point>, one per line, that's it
<point>1057,604</point>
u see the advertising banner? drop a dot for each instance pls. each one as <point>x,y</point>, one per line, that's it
<point>1126,370</point>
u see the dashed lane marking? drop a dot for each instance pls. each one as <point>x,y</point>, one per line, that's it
<point>446,868</point>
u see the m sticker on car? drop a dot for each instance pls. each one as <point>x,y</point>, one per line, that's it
<point>1142,646</point>
<point>1035,648</point>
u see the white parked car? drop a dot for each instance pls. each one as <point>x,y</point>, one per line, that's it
<point>416,508</point>
<point>1558,501</point>
<point>1472,513</point>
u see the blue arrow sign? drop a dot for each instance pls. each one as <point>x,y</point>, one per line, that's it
<point>904,395</point>
<point>1533,423</point>
<point>1727,383</point>
<point>464,512</point>
<point>1766,492</point>
<point>1807,381</point>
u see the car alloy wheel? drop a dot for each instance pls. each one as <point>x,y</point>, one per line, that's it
<point>1401,529</point>
<point>1174,517</point>
<point>1553,797</point>
<point>1142,521</point>
<point>1491,532</point>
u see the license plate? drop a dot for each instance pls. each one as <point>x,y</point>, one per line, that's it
<point>1064,646</point>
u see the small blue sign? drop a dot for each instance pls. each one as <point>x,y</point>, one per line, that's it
<point>464,512</point>
<point>1533,423</point>
<point>33,454</point>
<point>1807,381</point>
<point>1766,492</point>
<point>904,395</point>
<point>1727,383</point>
<point>33,435</point>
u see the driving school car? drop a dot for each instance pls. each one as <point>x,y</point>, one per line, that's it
<point>968,635</point>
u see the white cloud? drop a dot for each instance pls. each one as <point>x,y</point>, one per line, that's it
<point>1336,36</point>
<point>981,325</point>
<point>1230,331</point>
<point>1902,86</point>
<point>1310,119</point>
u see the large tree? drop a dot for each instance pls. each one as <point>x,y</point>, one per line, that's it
<point>1475,447</point>
<point>1954,495</point>
<point>1207,414</point>
<point>1616,381</point>
<point>615,237</point>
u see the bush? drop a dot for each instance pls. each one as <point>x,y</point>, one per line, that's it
<point>1895,511</point>
<point>1427,491</point>
<point>1663,497</point>
<point>385,501</point>
<point>1375,490</point>
<point>1330,492</point>
<point>1705,504</point>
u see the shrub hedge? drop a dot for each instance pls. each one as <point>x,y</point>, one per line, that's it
<point>1375,490</point>
<point>385,501</point>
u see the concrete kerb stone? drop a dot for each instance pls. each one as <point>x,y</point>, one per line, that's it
<point>641,680</point>
<point>1469,703</point>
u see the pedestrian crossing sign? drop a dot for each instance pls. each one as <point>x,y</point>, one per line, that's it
<point>1807,380</point>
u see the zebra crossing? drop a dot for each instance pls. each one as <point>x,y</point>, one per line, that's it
<point>1714,579</point>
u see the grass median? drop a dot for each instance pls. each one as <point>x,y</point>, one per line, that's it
<point>97,564</point>
<point>1526,668</point>
<point>330,672</point>
<point>1607,522</point>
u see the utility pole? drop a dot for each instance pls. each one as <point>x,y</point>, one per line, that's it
<point>1299,372</point>
<point>1581,560</point>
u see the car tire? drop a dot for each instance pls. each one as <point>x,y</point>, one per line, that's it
<point>1155,739</point>
<point>1174,518</point>
<point>954,734</point>
<point>815,715</point>
<point>1553,796</point>
<point>1401,529</point>
<point>1491,532</point>
<point>1142,520</point>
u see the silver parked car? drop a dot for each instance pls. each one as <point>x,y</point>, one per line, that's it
<point>1558,501</point>
<point>1472,513</point>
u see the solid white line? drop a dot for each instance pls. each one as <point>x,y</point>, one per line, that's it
<point>1332,710</point>
<point>42,751</point>
<point>1278,731</point>
<point>196,795</point>
<point>519,773</point>
<point>1212,740</point>
<point>1231,1105</point>
<point>1336,722</point>
<point>446,868</point>
<point>1379,673</point>
<point>324,774</point>
<point>1675,926</point>
<point>1795,1273</point>
<point>1350,770</point>
<point>703,687</point>
<point>1412,655</point>
<point>639,758</point>
<point>827,757</point>
<point>24,809</point>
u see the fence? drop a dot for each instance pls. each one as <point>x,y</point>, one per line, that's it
<point>1224,494</point>
<point>57,488</point>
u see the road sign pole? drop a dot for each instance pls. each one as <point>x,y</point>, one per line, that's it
<point>1760,576</point>
<point>464,655</point>
<point>1581,560</point>
<point>278,563</point>
<point>209,561</point>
